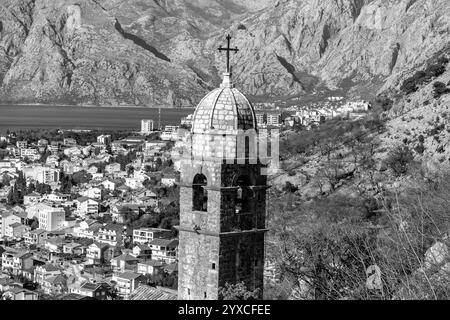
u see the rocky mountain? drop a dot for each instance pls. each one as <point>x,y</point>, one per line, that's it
<point>163,53</point>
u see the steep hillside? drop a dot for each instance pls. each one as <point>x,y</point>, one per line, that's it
<point>350,43</point>
<point>75,51</point>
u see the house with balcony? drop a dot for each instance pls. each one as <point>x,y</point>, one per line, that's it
<point>148,202</point>
<point>96,273</point>
<point>133,183</point>
<point>109,184</point>
<point>28,274</point>
<point>86,206</point>
<point>35,237</point>
<point>98,253</point>
<point>120,212</point>
<point>4,192</point>
<point>70,142</point>
<point>113,167</point>
<point>97,291</point>
<point>52,160</point>
<point>142,251</point>
<point>92,169</point>
<point>164,250</point>
<point>146,235</point>
<point>21,213</point>
<point>124,262</point>
<point>93,193</point>
<point>31,198</point>
<point>54,245</point>
<point>20,294</point>
<point>7,219</point>
<point>123,189</point>
<point>16,230</point>
<point>144,193</point>
<point>169,180</point>
<point>58,197</point>
<point>150,267</point>
<point>53,147</point>
<point>112,234</point>
<point>146,198</point>
<point>8,260</point>
<point>75,280</point>
<point>55,284</point>
<point>87,229</point>
<point>16,262</point>
<point>127,282</point>
<point>45,271</point>
<point>74,248</point>
<point>7,284</point>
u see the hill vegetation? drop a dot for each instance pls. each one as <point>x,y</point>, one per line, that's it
<point>359,210</point>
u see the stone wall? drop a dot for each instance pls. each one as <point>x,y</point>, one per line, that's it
<point>242,259</point>
<point>197,253</point>
<point>221,245</point>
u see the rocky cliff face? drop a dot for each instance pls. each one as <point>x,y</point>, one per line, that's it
<point>76,52</point>
<point>350,44</point>
<point>159,52</point>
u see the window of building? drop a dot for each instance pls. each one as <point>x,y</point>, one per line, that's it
<point>247,147</point>
<point>205,295</point>
<point>213,266</point>
<point>243,194</point>
<point>199,193</point>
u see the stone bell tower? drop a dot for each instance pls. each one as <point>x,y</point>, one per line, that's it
<point>222,197</point>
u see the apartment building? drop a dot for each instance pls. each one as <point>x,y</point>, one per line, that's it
<point>51,218</point>
<point>146,235</point>
<point>146,126</point>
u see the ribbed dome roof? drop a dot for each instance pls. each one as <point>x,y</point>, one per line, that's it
<point>225,108</point>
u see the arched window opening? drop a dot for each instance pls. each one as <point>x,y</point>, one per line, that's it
<point>243,194</point>
<point>247,147</point>
<point>199,193</point>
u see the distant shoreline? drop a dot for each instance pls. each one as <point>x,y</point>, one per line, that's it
<point>34,116</point>
<point>86,106</point>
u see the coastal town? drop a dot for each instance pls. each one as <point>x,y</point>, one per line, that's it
<point>86,220</point>
<point>308,116</point>
<point>85,216</point>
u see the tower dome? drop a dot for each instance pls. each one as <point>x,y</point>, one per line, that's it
<point>224,109</point>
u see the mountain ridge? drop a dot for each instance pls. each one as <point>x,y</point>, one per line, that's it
<point>163,53</point>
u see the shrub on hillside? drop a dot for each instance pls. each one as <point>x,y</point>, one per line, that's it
<point>421,139</point>
<point>420,149</point>
<point>399,159</point>
<point>409,85</point>
<point>385,103</point>
<point>434,70</point>
<point>336,254</point>
<point>238,291</point>
<point>440,89</point>
<point>443,60</point>
<point>438,128</point>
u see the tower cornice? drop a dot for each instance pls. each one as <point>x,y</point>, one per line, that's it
<point>220,234</point>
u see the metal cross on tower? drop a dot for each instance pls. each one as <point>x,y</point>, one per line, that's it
<point>228,50</point>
